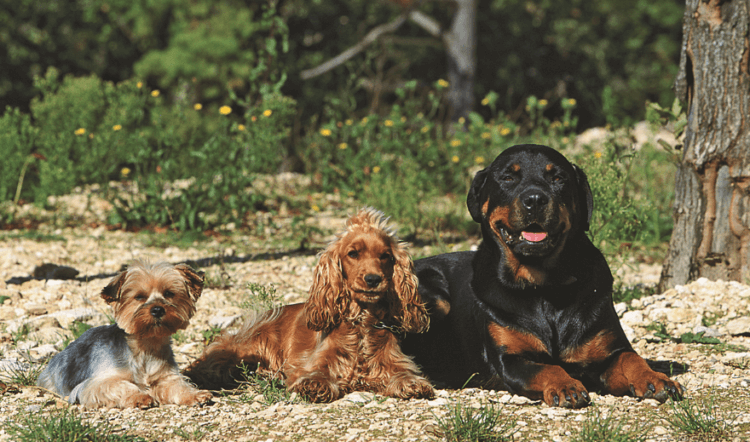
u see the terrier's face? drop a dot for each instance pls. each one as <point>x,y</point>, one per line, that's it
<point>154,300</point>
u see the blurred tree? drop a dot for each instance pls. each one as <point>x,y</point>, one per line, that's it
<point>75,36</point>
<point>711,236</point>
<point>611,55</point>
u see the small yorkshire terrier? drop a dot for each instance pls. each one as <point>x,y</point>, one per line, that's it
<point>130,364</point>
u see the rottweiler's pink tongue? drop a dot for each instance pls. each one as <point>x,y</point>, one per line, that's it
<point>534,236</point>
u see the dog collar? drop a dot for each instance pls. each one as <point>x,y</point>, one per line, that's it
<point>396,330</point>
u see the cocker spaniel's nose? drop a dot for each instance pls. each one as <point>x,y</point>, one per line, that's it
<point>373,280</point>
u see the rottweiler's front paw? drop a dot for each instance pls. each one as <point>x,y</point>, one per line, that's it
<point>651,384</point>
<point>558,388</point>
<point>630,373</point>
<point>571,394</point>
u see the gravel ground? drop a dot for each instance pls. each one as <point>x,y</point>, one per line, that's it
<point>37,315</point>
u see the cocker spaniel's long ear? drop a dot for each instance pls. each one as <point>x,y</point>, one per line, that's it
<point>407,307</point>
<point>329,300</point>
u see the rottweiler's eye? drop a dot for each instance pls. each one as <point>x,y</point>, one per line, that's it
<point>353,254</point>
<point>507,178</point>
<point>168,294</point>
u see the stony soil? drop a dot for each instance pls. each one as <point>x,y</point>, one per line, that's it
<point>37,315</point>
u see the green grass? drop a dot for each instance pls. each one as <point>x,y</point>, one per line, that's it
<point>197,433</point>
<point>271,388</point>
<point>77,328</point>
<point>623,293</point>
<point>485,424</point>
<point>601,426</point>
<point>210,334</point>
<point>32,235</point>
<point>65,426</point>
<point>260,297</point>
<point>22,374</point>
<point>700,418</point>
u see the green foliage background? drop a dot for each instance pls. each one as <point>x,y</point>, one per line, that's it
<point>175,106</point>
<point>611,55</point>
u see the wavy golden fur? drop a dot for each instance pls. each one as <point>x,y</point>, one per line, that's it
<point>345,337</point>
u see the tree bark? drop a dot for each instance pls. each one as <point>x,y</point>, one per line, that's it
<point>711,236</point>
<point>460,42</point>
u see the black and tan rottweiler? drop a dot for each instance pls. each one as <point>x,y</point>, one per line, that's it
<point>531,310</point>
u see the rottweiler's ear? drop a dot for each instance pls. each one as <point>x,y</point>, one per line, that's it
<point>472,199</point>
<point>584,195</point>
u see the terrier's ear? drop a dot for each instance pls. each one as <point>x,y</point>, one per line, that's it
<point>194,280</point>
<point>111,292</point>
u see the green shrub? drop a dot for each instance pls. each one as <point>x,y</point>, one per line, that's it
<point>17,137</point>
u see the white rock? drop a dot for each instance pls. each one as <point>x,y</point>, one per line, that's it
<point>223,322</point>
<point>632,318</point>
<point>739,326</point>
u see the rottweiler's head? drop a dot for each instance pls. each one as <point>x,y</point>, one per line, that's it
<point>530,201</point>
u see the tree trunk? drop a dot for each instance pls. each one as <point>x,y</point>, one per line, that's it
<point>712,203</point>
<point>461,41</point>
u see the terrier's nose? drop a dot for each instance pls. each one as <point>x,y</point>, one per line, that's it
<point>373,280</point>
<point>158,311</point>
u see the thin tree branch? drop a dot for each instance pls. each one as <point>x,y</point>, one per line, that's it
<point>427,23</point>
<point>356,49</point>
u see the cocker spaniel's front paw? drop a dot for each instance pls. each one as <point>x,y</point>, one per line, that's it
<point>316,389</point>
<point>410,387</point>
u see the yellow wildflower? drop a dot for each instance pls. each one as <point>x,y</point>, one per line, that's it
<point>225,110</point>
<point>485,135</point>
<point>343,146</point>
<point>155,93</point>
<point>542,103</point>
<point>455,159</point>
<point>348,122</point>
<point>315,208</point>
<point>504,131</point>
<point>572,101</point>
<point>197,106</point>
<point>425,129</point>
<point>125,171</point>
<point>479,160</point>
<point>325,132</point>
<point>80,131</point>
<point>455,143</point>
<point>376,169</point>
<point>139,84</point>
<point>442,83</point>
<point>116,127</point>
<point>241,127</point>
<point>597,155</point>
<point>485,101</point>
<point>267,112</point>
<point>364,121</point>
<point>461,120</point>
<point>388,123</point>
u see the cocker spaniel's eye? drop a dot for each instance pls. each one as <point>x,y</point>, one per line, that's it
<point>386,257</point>
<point>168,294</point>
<point>353,254</point>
